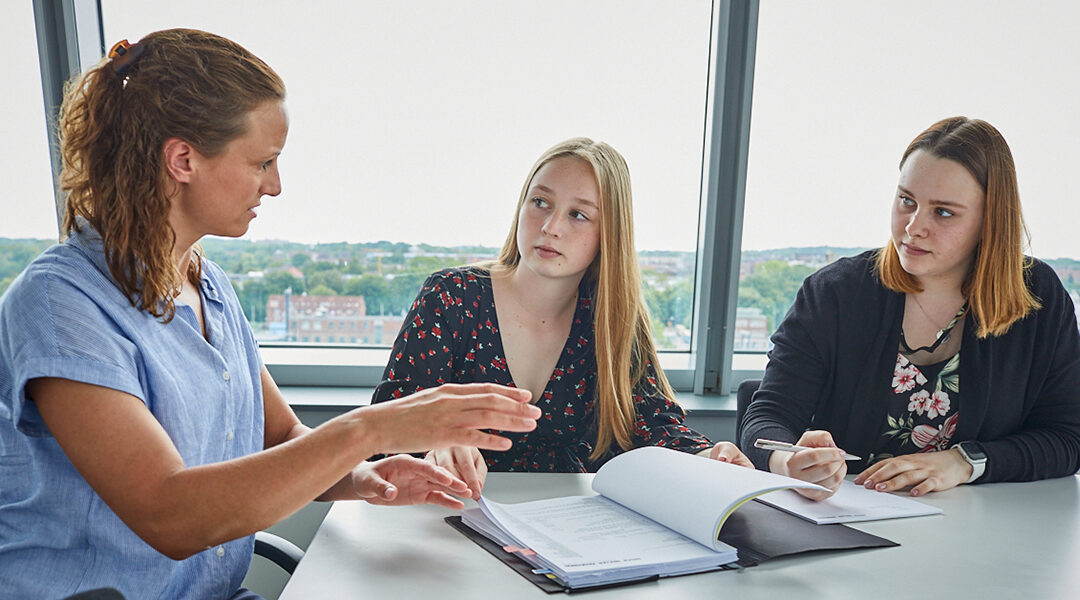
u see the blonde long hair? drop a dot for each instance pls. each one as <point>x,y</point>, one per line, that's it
<point>114,121</point>
<point>623,337</point>
<point>994,288</point>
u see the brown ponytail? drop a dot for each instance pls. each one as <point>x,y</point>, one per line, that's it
<point>114,120</point>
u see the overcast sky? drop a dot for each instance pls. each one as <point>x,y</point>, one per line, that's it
<point>419,121</point>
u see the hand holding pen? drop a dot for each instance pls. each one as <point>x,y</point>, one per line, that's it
<point>814,458</point>
<point>786,447</point>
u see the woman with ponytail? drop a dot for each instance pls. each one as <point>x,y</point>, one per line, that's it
<point>142,440</point>
<point>559,313</point>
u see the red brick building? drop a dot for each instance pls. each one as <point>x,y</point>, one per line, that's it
<point>329,320</point>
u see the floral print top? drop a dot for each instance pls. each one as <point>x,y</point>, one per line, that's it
<point>451,335</point>
<point>924,410</point>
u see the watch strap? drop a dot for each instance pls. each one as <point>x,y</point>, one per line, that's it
<point>978,465</point>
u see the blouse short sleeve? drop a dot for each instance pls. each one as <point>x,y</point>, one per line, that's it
<point>53,326</point>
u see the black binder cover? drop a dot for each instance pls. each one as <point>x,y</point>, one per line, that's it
<point>761,532</point>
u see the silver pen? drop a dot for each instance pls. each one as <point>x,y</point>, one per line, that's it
<point>786,447</point>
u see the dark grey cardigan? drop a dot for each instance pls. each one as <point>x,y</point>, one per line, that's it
<point>833,358</point>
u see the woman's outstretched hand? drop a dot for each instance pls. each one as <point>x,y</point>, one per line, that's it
<point>448,415</point>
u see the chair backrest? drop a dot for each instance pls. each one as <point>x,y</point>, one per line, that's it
<point>742,402</point>
<point>278,550</point>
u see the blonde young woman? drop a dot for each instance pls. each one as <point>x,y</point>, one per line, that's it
<point>142,441</point>
<point>946,357</point>
<point>560,313</point>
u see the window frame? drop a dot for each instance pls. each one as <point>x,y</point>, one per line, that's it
<point>70,38</point>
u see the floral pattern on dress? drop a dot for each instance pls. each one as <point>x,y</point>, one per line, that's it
<point>451,335</point>
<point>924,413</point>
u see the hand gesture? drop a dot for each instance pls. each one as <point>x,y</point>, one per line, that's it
<point>448,415</point>
<point>400,480</point>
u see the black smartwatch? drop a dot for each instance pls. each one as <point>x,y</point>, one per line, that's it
<point>975,457</point>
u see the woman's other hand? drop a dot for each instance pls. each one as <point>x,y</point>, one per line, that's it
<point>923,473</point>
<point>401,480</point>
<point>464,462</point>
<point>729,453</point>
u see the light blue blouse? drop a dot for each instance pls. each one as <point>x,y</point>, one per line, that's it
<point>65,317</point>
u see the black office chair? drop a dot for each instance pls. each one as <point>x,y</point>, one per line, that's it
<point>742,402</point>
<point>278,550</point>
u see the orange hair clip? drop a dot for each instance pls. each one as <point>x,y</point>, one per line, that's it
<point>123,54</point>
<point>119,49</point>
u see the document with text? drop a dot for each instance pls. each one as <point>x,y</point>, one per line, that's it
<point>657,512</point>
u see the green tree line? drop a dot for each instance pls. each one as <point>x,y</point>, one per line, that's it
<point>389,280</point>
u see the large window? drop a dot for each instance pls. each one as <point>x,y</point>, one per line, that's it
<point>28,224</point>
<point>422,109</point>
<point>413,126</point>
<point>841,88</point>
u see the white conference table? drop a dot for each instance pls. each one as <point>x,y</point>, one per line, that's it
<point>1003,540</point>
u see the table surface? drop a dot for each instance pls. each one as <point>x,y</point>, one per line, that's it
<point>1002,540</point>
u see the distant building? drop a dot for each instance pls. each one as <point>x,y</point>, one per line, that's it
<point>751,329</point>
<point>328,320</point>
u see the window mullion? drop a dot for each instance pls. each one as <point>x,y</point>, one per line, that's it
<point>727,141</point>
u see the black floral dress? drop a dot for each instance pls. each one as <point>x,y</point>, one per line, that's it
<point>451,335</point>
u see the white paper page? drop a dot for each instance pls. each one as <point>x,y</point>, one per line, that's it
<point>475,518</point>
<point>690,494</point>
<point>566,530</point>
<point>851,503</point>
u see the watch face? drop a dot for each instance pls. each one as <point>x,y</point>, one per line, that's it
<point>972,451</point>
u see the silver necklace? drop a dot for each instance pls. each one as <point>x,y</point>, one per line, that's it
<point>933,321</point>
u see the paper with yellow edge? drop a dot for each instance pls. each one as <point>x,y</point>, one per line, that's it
<point>689,494</point>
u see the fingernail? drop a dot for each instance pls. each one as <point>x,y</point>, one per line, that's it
<point>869,483</point>
<point>914,492</point>
<point>387,491</point>
<point>857,480</point>
<point>881,487</point>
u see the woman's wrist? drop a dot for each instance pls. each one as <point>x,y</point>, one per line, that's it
<point>362,435</point>
<point>965,466</point>
<point>778,462</point>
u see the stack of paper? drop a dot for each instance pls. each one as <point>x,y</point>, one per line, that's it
<point>658,514</point>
